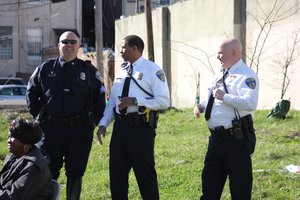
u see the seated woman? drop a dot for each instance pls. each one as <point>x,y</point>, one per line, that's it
<point>25,174</point>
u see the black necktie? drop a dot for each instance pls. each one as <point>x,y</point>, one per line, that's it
<point>126,87</point>
<point>212,99</point>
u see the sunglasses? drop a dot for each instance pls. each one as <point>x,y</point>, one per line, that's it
<point>68,41</point>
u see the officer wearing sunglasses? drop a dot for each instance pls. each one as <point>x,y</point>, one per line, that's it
<point>67,96</point>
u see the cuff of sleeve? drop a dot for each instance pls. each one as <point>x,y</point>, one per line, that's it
<point>140,101</point>
<point>226,98</point>
<point>103,122</point>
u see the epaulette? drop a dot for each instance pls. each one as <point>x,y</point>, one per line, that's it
<point>88,62</point>
<point>48,60</point>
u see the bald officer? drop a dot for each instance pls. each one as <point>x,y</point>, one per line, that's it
<point>66,95</point>
<point>231,101</point>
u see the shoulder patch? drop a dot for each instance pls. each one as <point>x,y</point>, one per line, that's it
<point>98,76</point>
<point>161,75</point>
<point>251,83</point>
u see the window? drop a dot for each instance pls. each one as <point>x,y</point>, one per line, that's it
<point>13,91</point>
<point>34,39</point>
<point>6,91</point>
<point>164,2</point>
<point>33,1</point>
<point>6,42</point>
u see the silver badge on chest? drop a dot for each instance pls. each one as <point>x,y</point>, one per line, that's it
<point>139,75</point>
<point>82,76</point>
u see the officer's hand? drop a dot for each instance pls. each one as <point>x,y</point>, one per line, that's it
<point>197,110</point>
<point>125,102</point>
<point>101,131</point>
<point>219,94</point>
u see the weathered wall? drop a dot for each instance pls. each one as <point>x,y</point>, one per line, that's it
<point>187,37</point>
<point>34,15</point>
<point>279,43</point>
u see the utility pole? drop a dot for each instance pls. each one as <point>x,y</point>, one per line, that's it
<point>137,6</point>
<point>99,36</point>
<point>149,30</point>
<point>19,34</point>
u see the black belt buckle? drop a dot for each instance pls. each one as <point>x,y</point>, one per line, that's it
<point>218,132</point>
<point>133,119</point>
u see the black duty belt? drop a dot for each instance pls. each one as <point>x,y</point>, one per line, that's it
<point>133,119</point>
<point>72,121</point>
<point>221,133</point>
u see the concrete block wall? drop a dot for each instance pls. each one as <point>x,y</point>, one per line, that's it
<point>187,36</point>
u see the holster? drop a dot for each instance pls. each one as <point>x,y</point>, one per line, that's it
<point>153,119</point>
<point>249,133</point>
<point>90,117</point>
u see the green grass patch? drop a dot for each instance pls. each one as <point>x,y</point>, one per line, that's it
<point>180,147</point>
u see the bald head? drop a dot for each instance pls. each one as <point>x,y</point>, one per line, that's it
<point>233,45</point>
<point>68,34</point>
<point>230,52</point>
<point>68,45</point>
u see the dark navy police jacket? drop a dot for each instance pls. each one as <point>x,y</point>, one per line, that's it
<point>45,89</point>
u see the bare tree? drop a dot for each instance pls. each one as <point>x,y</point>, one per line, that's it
<point>284,63</point>
<point>266,21</point>
<point>205,62</point>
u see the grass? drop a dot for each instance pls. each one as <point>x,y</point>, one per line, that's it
<point>180,148</point>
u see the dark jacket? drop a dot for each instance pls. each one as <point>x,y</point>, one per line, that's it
<point>46,89</point>
<point>26,178</point>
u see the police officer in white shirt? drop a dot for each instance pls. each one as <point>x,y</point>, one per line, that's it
<point>232,99</point>
<point>134,108</point>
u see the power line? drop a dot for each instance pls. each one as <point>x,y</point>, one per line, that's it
<point>27,8</point>
<point>15,3</point>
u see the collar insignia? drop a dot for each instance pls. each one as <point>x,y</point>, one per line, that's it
<point>52,74</point>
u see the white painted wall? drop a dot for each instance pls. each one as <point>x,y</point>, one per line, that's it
<point>196,30</point>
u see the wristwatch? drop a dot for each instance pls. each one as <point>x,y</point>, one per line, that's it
<point>135,101</point>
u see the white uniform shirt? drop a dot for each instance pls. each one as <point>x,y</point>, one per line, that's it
<point>150,77</point>
<point>243,86</point>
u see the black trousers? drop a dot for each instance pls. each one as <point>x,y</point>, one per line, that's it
<point>227,158</point>
<point>132,147</point>
<point>67,145</point>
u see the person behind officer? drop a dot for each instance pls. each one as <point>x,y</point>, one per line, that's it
<point>25,173</point>
<point>232,99</point>
<point>135,115</point>
<point>67,96</point>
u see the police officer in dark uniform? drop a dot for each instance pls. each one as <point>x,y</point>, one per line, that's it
<point>139,90</point>
<point>68,98</point>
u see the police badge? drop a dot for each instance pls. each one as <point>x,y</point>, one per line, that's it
<point>82,76</point>
<point>139,75</point>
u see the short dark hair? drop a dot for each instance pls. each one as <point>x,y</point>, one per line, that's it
<point>26,131</point>
<point>134,40</point>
